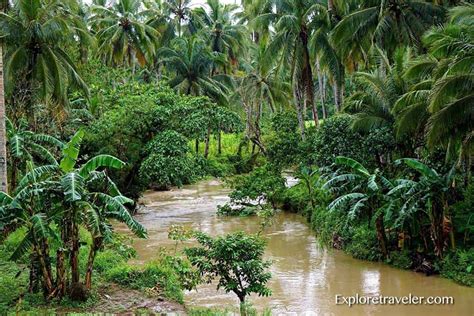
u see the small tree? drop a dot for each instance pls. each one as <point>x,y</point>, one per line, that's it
<point>236,260</point>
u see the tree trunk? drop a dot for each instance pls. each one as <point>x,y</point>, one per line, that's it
<point>207,141</point>
<point>74,256</point>
<point>299,111</point>
<point>307,78</point>
<point>437,228</point>
<point>330,5</point>
<point>96,244</point>
<point>219,142</point>
<point>60,274</point>
<point>34,273</point>
<point>321,88</point>
<point>243,308</point>
<point>47,281</point>
<point>336,96</point>
<point>3,132</point>
<point>196,146</point>
<point>379,225</point>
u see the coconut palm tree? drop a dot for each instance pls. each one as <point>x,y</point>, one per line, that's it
<point>378,91</point>
<point>191,63</point>
<point>225,37</point>
<point>441,93</point>
<point>385,23</point>
<point>3,132</point>
<point>37,66</point>
<point>123,35</point>
<point>327,59</point>
<point>180,11</point>
<point>291,44</point>
<point>261,88</point>
<point>250,11</point>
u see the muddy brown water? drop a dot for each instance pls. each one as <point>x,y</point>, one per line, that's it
<point>305,277</point>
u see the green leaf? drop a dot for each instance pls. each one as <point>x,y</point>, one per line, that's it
<point>100,161</point>
<point>71,152</point>
<point>73,186</point>
<point>353,164</point>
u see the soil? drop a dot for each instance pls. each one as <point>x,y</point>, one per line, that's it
<point>116,300</point>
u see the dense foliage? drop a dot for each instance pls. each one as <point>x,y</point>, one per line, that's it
<point>370,103</point>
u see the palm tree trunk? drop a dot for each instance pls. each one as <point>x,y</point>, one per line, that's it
<point>307,78</point>
<point>338,89</point>
<point>3,132</point>
<point>335,89</point>
<point>299,110</point>
<point>321,87</point>
<point>330,5</point>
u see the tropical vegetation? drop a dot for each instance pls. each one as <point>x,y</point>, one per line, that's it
<point>369,104</point>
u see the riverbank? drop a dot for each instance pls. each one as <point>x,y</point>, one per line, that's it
<point>361,242</point>
<point>305,276</point>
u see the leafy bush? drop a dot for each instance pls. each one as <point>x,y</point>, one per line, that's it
<point>335,138</point>
<point>212,167</point>
<point>236,260</point>
<point>459,266</point>
<point>261,186</point>
<point>160,273</point>
<point>168,163</point>
<point>283,146</point>
<point>401,259</point>
<point>363,244</point>
<point>463,217</point>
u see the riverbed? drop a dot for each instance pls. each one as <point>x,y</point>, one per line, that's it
<point>305,277</point>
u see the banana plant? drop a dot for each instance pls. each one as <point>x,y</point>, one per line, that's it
<point>69,195</point>
<point>25,145</point>
<point>429,193</point>
<point>366,194</point>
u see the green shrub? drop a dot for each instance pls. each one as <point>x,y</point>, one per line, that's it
<point>261,186</point>
<point>459,266</point>
<point>401,259</point>
<point>329,226</point>
<point>212,167</point>
<point>283,143</point>
<point>463,217</point>
<point>363,244</point>
<point>335,138</point>
<point>167,163</point>
<point>294,199</point>
<point>13,283</point>
<point>227,210</point>
<point>161,274</point>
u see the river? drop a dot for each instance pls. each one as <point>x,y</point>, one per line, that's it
<point>305,277</point>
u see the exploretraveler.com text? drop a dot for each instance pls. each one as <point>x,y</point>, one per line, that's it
<point>409,299</point>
